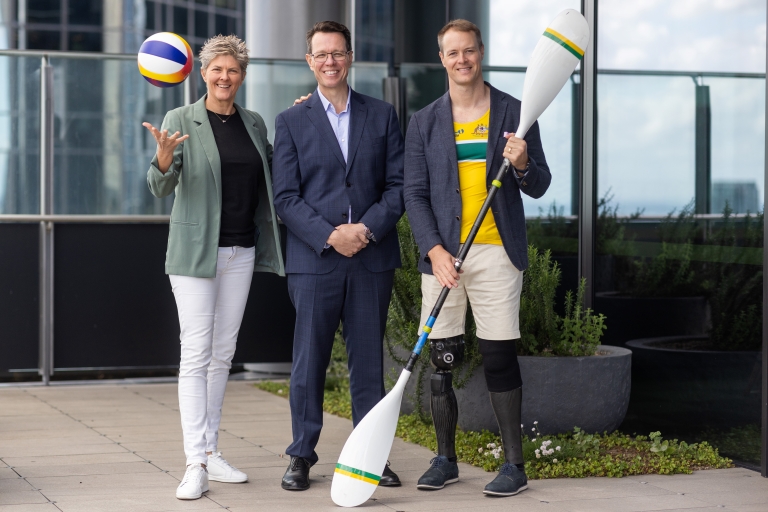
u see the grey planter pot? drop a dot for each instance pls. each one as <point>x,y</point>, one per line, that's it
<point>591,393</point>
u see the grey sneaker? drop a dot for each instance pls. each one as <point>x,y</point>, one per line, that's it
<point>441,472</point>
<point>508,482</point>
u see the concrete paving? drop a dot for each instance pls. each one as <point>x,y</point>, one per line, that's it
<point>118,448</point>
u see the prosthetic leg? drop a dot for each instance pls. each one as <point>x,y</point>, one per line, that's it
<point>502,376</point>
<point>446,354</point>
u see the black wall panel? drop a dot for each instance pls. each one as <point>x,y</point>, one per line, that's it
<point>114,306</point>
<point>18,296</point>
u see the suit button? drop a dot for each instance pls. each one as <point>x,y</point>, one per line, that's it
<point>349,184</point>
<point>457,218</point>
<point>524,184</point>
<point>458,191</point>
<point>344,215</point>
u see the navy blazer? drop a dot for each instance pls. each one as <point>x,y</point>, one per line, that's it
<point>432,195</point>
<point>314,187</point>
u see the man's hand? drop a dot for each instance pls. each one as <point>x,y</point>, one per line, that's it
<point>348,239</point>
<point>302,99</point>
<point>442,267</point>
<point>516,151</point>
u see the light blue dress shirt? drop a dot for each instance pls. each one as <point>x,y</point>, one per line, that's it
<point>339,122</point>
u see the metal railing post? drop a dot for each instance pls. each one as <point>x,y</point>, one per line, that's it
<point>588,174</point>
<point>46,227</point>
<point>764,401</point>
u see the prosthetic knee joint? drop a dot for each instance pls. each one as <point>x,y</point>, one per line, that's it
<point>446,354</point>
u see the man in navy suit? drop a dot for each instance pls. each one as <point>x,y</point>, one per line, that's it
<point>453,150</point>
<point>338,184</point>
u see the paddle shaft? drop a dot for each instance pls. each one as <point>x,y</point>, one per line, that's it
<point>492,191</point>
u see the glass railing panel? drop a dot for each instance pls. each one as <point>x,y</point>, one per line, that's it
<point>19,134</point>
<point>679,275</point>
<point>101,150</point>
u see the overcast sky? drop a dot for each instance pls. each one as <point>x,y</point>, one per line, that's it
<point>647,123</point>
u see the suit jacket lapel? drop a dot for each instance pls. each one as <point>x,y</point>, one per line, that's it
<point>498,113</point>
<point>205,134</point>
<point>357,118</point>
<point>445,135</point>
<point>320,119</point>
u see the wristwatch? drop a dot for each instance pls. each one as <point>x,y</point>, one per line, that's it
<point>369,234</point>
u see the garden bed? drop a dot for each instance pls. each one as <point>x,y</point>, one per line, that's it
<point>575,454</point>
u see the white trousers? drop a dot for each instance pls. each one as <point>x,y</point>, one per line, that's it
<point>210,313</point>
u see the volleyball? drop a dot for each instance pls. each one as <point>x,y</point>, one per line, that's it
<point>165,59</point>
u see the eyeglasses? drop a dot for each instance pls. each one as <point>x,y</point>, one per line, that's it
<point>323,57</point>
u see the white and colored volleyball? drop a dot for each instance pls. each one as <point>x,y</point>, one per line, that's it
<point>165,59</point>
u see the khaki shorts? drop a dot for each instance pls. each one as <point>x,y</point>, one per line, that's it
<point>492,285</point>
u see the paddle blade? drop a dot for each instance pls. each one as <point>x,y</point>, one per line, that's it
<point>556,55</point>
<point>365,453</point>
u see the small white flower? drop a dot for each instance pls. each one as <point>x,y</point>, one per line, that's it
<point>538,455</point>
<point>496,455</point>
<point>554,460</point>
<point>479,450</point>
<point>534,439</point>
<point>533,430</point>
<point>521,425</point>
<point>280,391</point>
<point>537,452</point>
<point>557,448</point>
<point>535,422</point>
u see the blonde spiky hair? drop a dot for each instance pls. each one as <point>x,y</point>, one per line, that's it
<point>224,45</point>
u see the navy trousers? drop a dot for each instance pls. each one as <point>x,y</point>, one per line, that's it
<point>359,299</point>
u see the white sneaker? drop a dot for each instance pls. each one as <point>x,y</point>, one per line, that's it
<point>219,470</point>
<point>194,483</point>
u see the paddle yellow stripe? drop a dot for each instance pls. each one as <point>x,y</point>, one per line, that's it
<point>356,476</point>
<point>560,38</point>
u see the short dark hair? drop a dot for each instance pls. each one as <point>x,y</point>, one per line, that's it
<point>329,27</point>
<point>461,26</point>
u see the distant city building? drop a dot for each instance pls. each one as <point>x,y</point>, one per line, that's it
<point>113,26</point>
<point>741,196</point>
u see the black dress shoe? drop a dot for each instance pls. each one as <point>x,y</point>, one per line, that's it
<point>296,477</point>
<point>389,478</point>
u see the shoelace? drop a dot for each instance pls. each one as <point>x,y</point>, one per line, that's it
<point>437,461</point>
<point>222,461</point>
<point>192,473</point>
<point>295,463</point>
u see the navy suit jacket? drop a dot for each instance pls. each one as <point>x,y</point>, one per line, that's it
<point>432,195</point>
<point>314,187</point>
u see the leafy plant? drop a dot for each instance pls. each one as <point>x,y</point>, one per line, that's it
<point>542,330</point>
<point>539,331</point>
<point>581,328</point>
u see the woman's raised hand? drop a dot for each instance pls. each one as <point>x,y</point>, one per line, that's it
<point>166,144</point>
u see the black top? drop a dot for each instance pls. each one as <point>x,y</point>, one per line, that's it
<point>241,170</point>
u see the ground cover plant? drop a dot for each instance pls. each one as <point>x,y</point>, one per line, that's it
<point>576,454</point>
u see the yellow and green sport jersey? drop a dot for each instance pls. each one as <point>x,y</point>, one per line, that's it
<point>471,143</point>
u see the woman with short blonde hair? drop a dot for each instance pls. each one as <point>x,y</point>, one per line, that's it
<point>216,157</point>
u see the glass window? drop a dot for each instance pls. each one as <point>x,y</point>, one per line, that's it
<point>180,20</point>
<point>227,4</point>
<point>43,40</point>
<point>44,11</point>
<point>84,12</point>
<point>226,25</point>
<point>85,41</point>
<point>201,24</point>
<point>150,13</point>
<point>19,134</point>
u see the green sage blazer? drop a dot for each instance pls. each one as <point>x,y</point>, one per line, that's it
<point>195,176</point>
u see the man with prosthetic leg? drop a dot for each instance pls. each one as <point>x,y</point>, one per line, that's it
<point>453,149</point>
